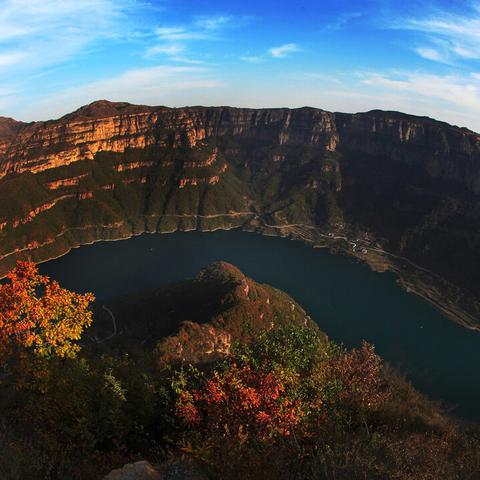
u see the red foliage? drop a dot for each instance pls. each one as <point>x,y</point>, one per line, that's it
<point>358,373</point>
<point>241,402</point>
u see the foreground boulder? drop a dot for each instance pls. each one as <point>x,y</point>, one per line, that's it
<point>135,471</point>
<point>143,470</point>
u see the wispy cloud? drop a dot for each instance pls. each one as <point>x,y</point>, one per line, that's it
<point>283,50</point>
<point>51,31</point>
<point>447,92</point>
<point>161,84</point>
<point>342,20</point>
<point>448,36</point>
<point>172,40</point>
<point>217,22</point>
<point>39,35</point>
<point>275,52</point>
<point>431,54</point>
<point>176,34</point>
<point>460,91</point>
<point>172,49</point>
<point>11,58</point>
<point>251,58</point>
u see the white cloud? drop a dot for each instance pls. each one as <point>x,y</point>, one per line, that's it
<point>203,28</point>
<point>11,58</point>
<point>51,31</point>
<point>456,90</point>
<point>275,52</point>
<point>214,23</point>
<point>452,39</point>
<point>452,98</point>
<point>454,36</point>
<point>283,50</point>
<point>342,20</point>
<point>173,40</point>
<point>175,34</point>
<point>252,58</point>
<point>165,32</point>
<point>431,54</point>
<point>172,49</point>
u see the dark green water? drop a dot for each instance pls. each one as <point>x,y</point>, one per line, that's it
<point>348,301</point>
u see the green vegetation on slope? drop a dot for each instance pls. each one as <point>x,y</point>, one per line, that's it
<point>277,400</point>
<point>402,208</point>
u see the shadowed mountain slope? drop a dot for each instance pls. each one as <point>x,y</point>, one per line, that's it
<point>397,191</point>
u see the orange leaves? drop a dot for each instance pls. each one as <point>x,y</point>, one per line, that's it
<point>36,313</point>
<point>359,374</point>
<point>240,402</point>
<point>249,400</point>
<point>186,408</point>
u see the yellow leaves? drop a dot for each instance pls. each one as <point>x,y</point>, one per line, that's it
<point>37,313</point>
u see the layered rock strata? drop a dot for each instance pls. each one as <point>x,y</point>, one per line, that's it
<point>390,188</point>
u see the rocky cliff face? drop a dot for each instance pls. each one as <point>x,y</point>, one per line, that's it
<point>445,151</point>
<point>407,187</point>
<point>115,128</point>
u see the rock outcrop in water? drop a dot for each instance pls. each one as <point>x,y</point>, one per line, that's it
<point>398,191</point>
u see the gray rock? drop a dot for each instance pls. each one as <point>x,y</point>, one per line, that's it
<point>135,471</point>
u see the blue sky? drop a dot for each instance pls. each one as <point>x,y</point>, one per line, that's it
<point>422,57</point>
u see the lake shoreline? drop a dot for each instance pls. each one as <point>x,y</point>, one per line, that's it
<point>378,260</point>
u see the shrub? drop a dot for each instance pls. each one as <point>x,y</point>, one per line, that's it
<point>241,402</point>
<point>37,314</point>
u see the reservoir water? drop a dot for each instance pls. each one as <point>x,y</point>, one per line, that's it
<point>347,300</point>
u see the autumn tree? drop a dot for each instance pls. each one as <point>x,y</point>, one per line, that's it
<point>241,402</point>
<point>358,377</point>
<point>38,315</point>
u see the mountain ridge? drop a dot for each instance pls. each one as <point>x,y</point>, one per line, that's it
<point>397,191</point>
<point>108,105</point>
<point>308,125</point>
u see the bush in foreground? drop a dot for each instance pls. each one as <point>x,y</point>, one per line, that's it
<point>287,405</point>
